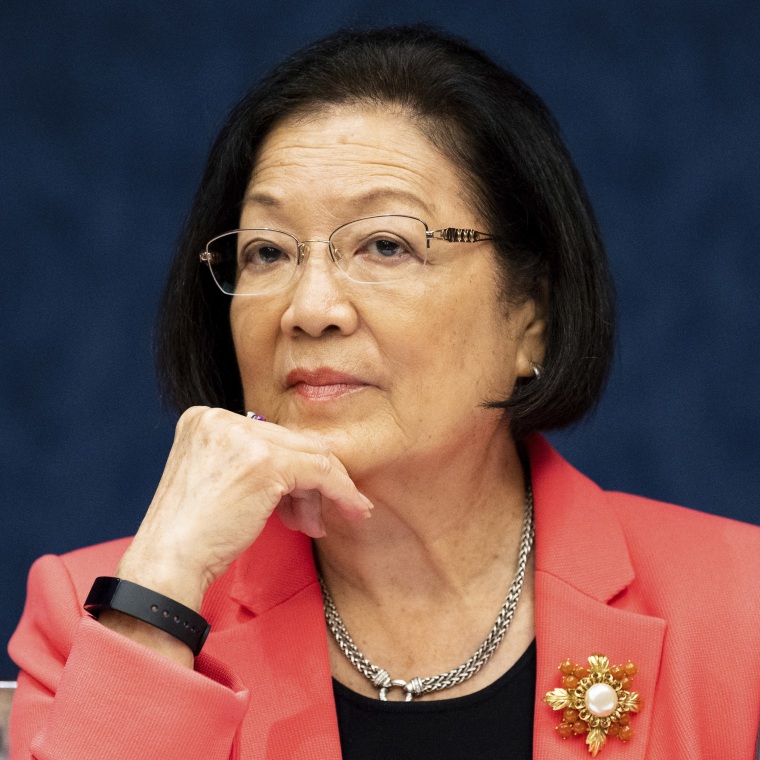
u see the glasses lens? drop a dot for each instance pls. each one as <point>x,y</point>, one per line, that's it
<point>252,262</point>
<point>381,248</point>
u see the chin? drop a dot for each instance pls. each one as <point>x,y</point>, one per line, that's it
<point>357,435</point>
<point>360,451</point>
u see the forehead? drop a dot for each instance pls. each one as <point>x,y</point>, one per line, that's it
<point>353,160</point>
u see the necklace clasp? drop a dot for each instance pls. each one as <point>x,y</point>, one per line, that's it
<point>401,684</point>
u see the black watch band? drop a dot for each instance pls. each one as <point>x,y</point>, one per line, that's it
<point>150,607</point>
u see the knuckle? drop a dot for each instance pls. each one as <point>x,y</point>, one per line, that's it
<point>319,443</point>
<point>186,422</point>
<point>277,489</point>
<point>191,417</point>
<point>214,425</point>
<point>324,465</point>
<point>188,416</point>
<point>259,452</point>
<point>209,415</point>
<point>193,412</point>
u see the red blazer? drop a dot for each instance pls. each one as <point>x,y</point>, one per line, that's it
<point>676,591</point>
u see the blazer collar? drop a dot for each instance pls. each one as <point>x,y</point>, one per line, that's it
<point>281,566</point>
<point>583,568</point>
<point>578,537</point>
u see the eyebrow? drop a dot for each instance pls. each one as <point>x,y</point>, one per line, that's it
<point>261,199</point>
<point>362,199</point>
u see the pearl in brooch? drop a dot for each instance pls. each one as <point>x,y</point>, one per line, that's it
<point>601,700</point>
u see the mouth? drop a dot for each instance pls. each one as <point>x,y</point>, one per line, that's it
<point>323,384</point>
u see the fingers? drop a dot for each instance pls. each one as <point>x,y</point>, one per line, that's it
<point>305,510</point>
<point>280,468</point>
<point>324,473</point>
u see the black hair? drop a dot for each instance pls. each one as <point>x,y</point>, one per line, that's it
<point>507,146</point>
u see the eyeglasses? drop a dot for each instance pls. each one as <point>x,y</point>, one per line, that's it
<point>374,250</point>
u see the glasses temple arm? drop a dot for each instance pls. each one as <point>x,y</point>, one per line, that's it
<point>458,235</point>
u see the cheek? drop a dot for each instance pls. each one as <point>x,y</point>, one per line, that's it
<point>453,351</point>
<point>253,340</point>
<point>476,349</point>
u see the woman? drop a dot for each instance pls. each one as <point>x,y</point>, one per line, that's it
<point>401,281</point>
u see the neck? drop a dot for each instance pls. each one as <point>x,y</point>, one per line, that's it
<point>439,529</point>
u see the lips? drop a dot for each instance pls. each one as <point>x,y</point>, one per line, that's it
<point>323,384</point>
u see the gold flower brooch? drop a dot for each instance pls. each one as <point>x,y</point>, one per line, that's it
<point>597,701</point>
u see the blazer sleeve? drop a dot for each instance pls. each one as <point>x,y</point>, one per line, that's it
<point>87,692</point>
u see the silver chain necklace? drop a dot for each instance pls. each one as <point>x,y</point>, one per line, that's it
<point>418,686</point>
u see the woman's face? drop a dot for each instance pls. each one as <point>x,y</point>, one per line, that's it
<point>394,374</point>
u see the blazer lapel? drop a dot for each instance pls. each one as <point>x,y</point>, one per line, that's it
<point>582,570</point>
<point>279,650</point>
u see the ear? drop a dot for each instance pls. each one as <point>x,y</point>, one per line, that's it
<point>531,336</point>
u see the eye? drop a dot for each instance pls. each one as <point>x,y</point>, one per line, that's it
<point>268,254</point>
<point>262,253</point>
<point>386,248</point>
<point>380,249</point>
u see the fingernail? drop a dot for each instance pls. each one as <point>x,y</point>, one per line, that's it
<point>369,504</point>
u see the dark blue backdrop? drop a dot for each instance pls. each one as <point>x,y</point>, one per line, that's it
<point>107,109</point>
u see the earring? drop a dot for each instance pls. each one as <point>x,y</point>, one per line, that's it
<point>537,370</point>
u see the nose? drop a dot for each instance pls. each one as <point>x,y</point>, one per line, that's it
<point>320,302</point>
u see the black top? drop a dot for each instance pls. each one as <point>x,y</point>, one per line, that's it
<point>493,723</point>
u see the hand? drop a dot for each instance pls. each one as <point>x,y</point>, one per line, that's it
<point>224,477</point>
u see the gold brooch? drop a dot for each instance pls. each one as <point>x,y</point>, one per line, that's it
<point>597,701</point>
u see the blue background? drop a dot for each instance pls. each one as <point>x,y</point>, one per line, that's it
<point>108,108</point>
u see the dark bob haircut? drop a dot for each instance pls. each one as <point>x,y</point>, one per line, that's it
<point>506,145</point>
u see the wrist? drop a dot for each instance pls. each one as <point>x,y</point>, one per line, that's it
<point>169,579</point>
<point>110,594</point>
